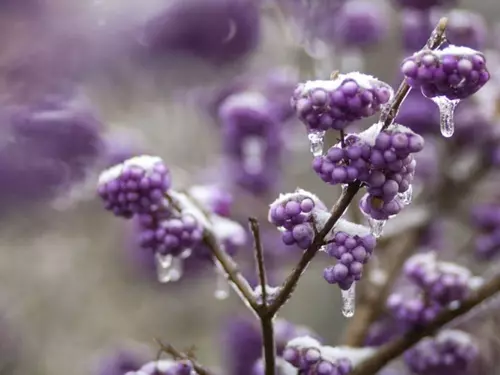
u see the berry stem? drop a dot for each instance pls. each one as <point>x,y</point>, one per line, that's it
<point>266,320</point>
<point>178,355</point>
<point>342,138</point>
<point>395,348</point>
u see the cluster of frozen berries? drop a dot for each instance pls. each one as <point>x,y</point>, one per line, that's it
<point>165,367</point>
<point>294,215</point>
<point>486,218</point>
<point>334,104</point>
<point>449,352</point>
<point>352,245</point>
<point>310,357</point>
<point>454,72</point>
<point>439,284</point>
<point>138,187</point>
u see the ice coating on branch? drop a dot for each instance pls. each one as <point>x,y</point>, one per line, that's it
<point>370,135</point>
<point>187,206</point>
<point>351,228</point>
<point>228,230</point>
<point>355,355</point>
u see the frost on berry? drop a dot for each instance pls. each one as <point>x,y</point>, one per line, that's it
<point>333,104</point>
<point>294,215</point>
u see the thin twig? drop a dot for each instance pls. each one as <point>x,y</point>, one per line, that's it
<point>178,355</point>
<point>259,257</point>
<point>268,343</point>
<point>395,348</point>
<point>342,138</point>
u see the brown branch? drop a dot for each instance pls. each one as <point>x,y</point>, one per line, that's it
<point>395,348</point>
<point>266,320</point>
<point>178,355</point>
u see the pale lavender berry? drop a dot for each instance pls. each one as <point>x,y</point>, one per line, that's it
<point>450,352</point>
<point>412,311</point>
<point>136,186</point>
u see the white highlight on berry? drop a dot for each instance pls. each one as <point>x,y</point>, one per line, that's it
<point>349,301</point>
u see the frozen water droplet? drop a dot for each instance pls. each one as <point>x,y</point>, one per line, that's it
<point>221,287</point>
<point>349,301</point>
<point>316,141</point>
<point>376,226</point>
<point>253,154</point>
<point>186,253</point>
<point>407,196</point>
<point>168,268</point>
<point>446,111</point>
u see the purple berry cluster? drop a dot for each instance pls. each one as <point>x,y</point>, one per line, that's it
<point>386,166</point>
<point>307,355</point>
<point>293,214</point>
<point>392,169</point>
<point>454,72</point>
<point>450,352</point>
<point>486,219</point>
<point>334,104</point>
<point>352,245</point>
<point>439,285</point>
<point>165,367</point>
<point>135,186</point>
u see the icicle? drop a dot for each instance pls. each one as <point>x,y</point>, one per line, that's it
<point>221,286</point>
<point>407,196</point>
<point>168,268</point>
<point>349,301</point>
<point>253,153</point>
<point>316,141</point>
<point>446,111</point>
<point>376,226</point>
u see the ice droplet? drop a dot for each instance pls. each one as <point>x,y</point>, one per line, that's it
<point>446,111</point>
<point>221,286</point>
<point>407,196</point>
<point>376,226</point>
<point>349,301</point>
<point>316,141</point>
<point>168,268</point>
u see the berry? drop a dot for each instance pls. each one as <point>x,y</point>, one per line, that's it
<point>466,28</point>
<point>413,311</point>
<point>138,185</point>
<point>377,209</point>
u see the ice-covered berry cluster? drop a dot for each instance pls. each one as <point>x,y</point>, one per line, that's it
<point>294,215</point>
<point>439,285</point>
<point>352,246</point>
<point>382,160</point>
<point>310,357</point>
<point>334,104</point>
<point>449,352</point>
<point>486,219</point>
<point>453,72</point>
<point>165,367</point>
<point>170,224</point>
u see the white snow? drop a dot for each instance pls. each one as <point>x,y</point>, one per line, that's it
<point>455,335</point>
<point>370,135</point>
<point>304,342</point>
<point>456,50</point>
<point>355,355</point>
<point>228,230</point>
<point>351,228</point>
<point>249,99</point>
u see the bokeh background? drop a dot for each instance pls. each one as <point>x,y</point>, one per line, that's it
<point>72,286</point>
